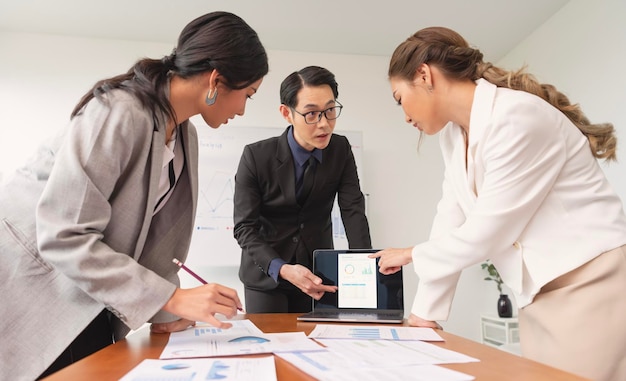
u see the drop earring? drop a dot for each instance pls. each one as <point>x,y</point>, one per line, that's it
<point>210,100</point>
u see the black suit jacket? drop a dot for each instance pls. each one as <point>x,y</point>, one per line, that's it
<point>269,222</point>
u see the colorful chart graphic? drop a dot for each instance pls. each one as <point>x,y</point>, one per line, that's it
<point>248,339</point>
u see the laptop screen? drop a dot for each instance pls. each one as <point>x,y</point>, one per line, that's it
<point>360,284</point>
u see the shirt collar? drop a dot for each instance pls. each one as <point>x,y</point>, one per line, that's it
<point>300,155</point>
<point>170,148</point>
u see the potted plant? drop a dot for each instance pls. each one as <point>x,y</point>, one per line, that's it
<point>505,308</point>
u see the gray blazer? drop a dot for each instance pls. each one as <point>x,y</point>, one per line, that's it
<point>77,233</point>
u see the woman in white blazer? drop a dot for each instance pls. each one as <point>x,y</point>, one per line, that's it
<point>89,228</point>
<point>523,188</point>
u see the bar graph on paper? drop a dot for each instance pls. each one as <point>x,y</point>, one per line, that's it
<point>364,333</point>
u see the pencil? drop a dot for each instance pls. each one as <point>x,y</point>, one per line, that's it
<point>181,265</point>
<point>193,274</point>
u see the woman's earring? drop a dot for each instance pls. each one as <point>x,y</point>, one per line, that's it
<point>211,99</point>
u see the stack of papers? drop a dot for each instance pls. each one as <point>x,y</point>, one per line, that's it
<point>330,352</point>
<point>363,353</point>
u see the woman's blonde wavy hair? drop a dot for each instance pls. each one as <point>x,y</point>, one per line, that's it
<point>448,51</point>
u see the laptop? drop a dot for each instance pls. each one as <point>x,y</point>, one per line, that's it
<point>363,295</point>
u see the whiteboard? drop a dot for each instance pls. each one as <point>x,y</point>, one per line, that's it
<point>212,242</point>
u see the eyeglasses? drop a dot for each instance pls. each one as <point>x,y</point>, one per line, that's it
<point>313,117</point>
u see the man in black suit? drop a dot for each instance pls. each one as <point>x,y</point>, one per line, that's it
<point>285,188</point>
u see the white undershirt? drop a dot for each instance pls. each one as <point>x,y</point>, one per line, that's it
<point>173,152</point>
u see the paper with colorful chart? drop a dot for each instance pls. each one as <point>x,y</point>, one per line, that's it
<point>243,338</point>
<point>223,369</point>
<point>373,332</point>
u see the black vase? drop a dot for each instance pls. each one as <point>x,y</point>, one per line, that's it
<point>505,308</point>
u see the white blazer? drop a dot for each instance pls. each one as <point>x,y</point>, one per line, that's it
<point>532,199</point>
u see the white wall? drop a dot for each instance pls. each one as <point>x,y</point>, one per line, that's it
<point>579,50</point>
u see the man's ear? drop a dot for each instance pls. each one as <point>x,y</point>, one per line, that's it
<point>286,113</point>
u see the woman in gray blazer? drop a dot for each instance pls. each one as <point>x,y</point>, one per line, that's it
<point>90,226</point>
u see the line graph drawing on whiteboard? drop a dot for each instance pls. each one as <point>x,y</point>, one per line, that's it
<point>215,198</point>
<point>212,243</point>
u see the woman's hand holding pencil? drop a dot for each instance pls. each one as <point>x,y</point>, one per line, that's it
<point>202,303</point>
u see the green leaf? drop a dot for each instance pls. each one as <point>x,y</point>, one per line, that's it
<point>494,275</point>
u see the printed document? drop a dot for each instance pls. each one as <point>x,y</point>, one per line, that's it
<point>239,369</point>
<point>326,366</point>
<point>243,338</point>
<point>361,360</point>
<point>373,332</point>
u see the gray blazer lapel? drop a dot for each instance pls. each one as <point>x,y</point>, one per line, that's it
<point>156,164</point>
<point>190,141</point>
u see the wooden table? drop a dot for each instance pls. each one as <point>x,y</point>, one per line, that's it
<point>114,361</point>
